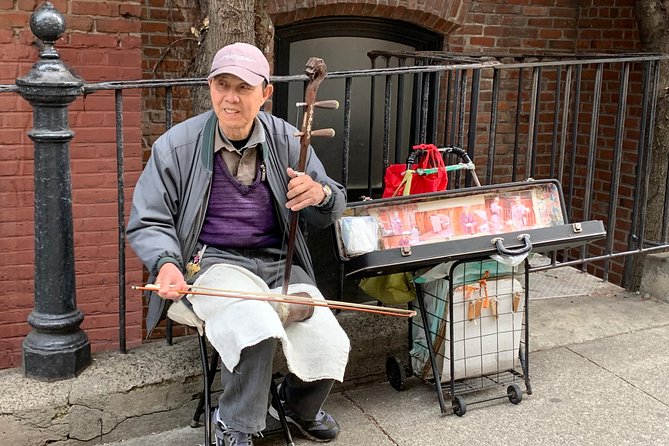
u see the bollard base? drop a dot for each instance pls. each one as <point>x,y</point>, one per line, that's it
<point>54,357</point>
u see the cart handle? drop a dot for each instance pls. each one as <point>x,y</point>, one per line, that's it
<point>499,244</point>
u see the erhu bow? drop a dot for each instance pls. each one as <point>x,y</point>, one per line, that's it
<point>286,299</point>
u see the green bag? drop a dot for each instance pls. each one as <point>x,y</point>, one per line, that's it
<point>391,289</point>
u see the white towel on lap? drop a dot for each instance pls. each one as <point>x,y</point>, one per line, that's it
<point>315,349</point>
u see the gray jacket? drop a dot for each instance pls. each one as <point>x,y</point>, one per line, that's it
<point>171,196</point>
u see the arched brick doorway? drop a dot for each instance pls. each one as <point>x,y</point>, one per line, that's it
<point>343,42</point>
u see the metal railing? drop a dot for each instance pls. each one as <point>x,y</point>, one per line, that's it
<point>545,148</point>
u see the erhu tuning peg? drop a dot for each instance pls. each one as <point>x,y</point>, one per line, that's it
<point>331,104</point>
<point>328,133</point>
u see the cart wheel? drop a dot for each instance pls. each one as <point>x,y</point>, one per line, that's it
<point>395,373</point>
<point>459,405</point>
<point>514,393</point>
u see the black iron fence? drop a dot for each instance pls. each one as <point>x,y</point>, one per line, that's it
<point>516,120</point>
<point>587,122</point>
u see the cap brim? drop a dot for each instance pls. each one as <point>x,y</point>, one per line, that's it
<point>247,76</point>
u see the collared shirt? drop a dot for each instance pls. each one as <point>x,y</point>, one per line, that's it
<point>243,163</point>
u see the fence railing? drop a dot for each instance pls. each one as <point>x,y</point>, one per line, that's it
<point>587,122</point>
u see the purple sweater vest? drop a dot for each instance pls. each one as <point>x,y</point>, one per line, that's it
<point>239,216</point>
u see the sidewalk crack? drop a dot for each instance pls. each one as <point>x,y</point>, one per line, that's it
<point>618,376</point>
<point>370,418</point>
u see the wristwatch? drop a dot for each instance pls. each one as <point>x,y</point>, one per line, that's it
<point>327,190</point>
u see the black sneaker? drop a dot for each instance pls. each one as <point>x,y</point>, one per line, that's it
<point>229,437</point>
<point>324,428</point>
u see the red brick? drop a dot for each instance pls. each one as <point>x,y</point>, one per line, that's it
<point>161,14</point>
<point>130,10</point>
<point>94,8</point>
<point>17,328</point>
<point>482,41</point>
<point>14,19</point>
<point>88,40</point>
<point>6,36</point>
<point>117,26</point>
<point>130,42</point>
<point>154,27</point>
<point>23,5</point>
<point>78,23</point>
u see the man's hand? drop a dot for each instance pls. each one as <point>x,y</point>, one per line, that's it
<point>170,279</point>
<point>303,191</point>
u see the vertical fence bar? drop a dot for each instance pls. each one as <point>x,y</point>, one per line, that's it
<point>563,138</point>
<point>556,114</point>
<point>399,121</point>
<point>425,89</point>
<point>492,135</point>
<point>637,196</point>
<point>447,103</point>
<point>565,124</point>
<point>554,148</point>
<point>651,136</point>
<point>530,155</point>
<point>617,158</point>
<point>346,149</point>
<point>417,109</point>
<point>169,324</point>
<point>649,158</point>
<point>516,133</point>
<point>592,152</point>
<point>574,139</point>
<point>665,212</point>
<point>370,154</point>
<point>387,104</point>
<point>120,183</point>
<point>434,105</point>
<point>461,118</point>
<point>592,145</point>
<point>454,101</point>
<point>473,118</point>
<point>463,109</point>
<point>574,147</point>
<point>169,111</point>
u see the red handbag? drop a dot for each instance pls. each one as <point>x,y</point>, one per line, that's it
<point>427,174</point>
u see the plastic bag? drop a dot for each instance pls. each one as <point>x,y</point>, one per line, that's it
<point>391,289</point>
<point>423,172</point>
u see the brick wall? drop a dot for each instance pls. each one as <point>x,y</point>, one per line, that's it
<point>518,27</point>
<point>527,27</point>
<point>168,49</point>
<point>102,43</point>
<point>442,16</point>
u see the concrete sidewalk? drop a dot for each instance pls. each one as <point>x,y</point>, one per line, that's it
<point>599,363</point>
<point>610,391</point>
<point>599,366</point>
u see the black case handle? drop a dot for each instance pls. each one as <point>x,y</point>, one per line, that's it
<point>499,244</point>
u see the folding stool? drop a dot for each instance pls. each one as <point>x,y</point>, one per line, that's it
<point>182,313</point>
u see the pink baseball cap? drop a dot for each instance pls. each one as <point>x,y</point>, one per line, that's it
<point>242,60</point>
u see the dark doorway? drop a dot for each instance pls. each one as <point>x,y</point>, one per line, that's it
<point>343,43</point>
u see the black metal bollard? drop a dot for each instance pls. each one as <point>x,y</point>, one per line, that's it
<point>56,348</point>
